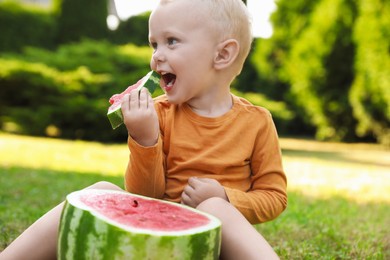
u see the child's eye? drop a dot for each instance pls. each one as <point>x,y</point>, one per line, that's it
<point>172,41</point>
<point>153,45</point>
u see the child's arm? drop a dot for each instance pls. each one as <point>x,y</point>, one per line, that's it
<point>267,197</point>
<point>257,205</point>
<point>145,172</point>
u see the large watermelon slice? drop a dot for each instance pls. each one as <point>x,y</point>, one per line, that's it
<point>150,81</point>
<point>106,224</point>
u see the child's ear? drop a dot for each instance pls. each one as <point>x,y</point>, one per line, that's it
<point>227,53</point>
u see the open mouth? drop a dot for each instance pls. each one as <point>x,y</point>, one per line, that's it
<point>169,80</point>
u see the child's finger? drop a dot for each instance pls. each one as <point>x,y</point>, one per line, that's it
<point>125,105</point>
<point>134,99</point>
<point>150,102</point>
<point>188,189</point>
<point>193,181</point>
<point>186,199</point>
<point>143,98</point>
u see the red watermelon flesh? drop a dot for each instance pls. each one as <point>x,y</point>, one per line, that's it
<point>116,99</point>
<point>144,213</point>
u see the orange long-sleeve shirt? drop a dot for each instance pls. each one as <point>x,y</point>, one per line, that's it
<point>239,149</point>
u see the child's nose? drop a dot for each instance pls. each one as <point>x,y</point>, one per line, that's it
<point>158,56</point>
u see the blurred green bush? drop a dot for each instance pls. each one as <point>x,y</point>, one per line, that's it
<point>79,19</point>
<point>22,25</point>
<point>133,30</point>
<point>65,92</point>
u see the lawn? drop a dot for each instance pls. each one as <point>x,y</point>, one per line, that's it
<point>339,194</point>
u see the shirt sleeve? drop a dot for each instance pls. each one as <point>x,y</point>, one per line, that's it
<point>145,171</point>
<point>267,197</point>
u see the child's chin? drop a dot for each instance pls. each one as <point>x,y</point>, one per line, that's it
<point>173,100</point>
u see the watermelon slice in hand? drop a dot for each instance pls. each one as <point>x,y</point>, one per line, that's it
<point>107,224</point>
<point>151,81</point>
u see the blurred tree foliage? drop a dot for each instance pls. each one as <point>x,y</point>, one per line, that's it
<point>25,25</point>
<point>370,92</point>
<point>66,21</point>
<point>328,59</point>
<point>135,30</point>
<point>79,19</point>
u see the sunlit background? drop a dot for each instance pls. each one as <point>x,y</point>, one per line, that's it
<point>321,69</point>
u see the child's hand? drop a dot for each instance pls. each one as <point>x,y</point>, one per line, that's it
<point>140,117</point>
<point>200,189</point>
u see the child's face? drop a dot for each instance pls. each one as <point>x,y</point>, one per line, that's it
<point>184,49</point>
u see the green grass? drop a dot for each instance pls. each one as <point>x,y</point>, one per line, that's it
<point>339,194</point>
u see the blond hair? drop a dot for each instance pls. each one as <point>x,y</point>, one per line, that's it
<point>232,20</point>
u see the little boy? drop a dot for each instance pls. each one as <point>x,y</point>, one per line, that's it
<point>200,129</point>
<point>197,144</point>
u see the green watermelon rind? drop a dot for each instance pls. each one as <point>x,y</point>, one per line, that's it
<point>151,81</point>
<point>85,234</point>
